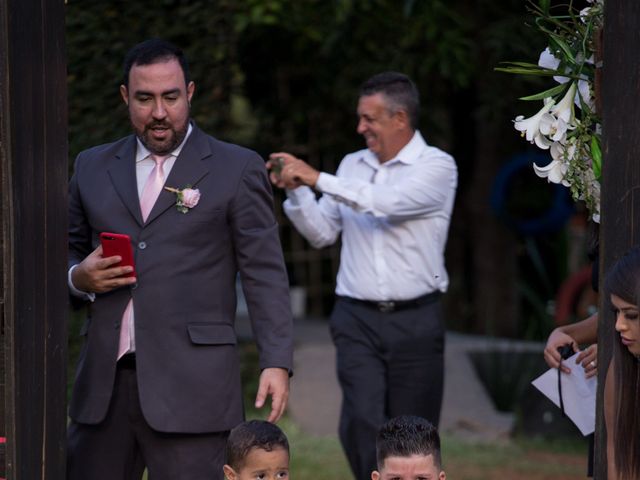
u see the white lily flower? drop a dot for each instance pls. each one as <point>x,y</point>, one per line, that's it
<point>542,142</point>
<point>530,127</point>
<point>564,109</point>
<point>553,127</point>
<point>554,172</point>
<point>548,60</point>
<point>563,151</point>
<point>585,92</point>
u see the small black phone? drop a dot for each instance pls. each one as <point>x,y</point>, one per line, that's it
<point>565,351</point>
<point>277,164</point>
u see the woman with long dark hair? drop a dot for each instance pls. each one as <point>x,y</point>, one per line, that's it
<point>622,401</point>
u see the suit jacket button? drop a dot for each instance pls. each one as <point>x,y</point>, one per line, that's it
<point>117,325</point>
<point>142,245</point>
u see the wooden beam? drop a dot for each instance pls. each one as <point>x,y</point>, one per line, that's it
<point>33,155</point>
<point>621,172</point>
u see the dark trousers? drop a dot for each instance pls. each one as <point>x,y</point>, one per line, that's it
<point>122,445</point>
<point>388,364</point>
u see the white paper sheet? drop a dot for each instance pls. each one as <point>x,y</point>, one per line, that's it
<point>578,394</point>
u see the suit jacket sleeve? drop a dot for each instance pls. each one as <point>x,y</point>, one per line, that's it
<point>79,228</point>
<point>261,265</point>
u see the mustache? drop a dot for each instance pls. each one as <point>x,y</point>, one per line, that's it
<point>157,123</point>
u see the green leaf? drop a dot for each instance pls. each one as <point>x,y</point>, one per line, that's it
<point>525,64</point>
<point>559,42</point>
<point>596,157</point>
<point>547,93</point>
<point>530,71</point>
<point>544,6</point>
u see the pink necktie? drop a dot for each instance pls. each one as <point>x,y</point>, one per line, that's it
<point>150,193</point>
<point>152,187</point>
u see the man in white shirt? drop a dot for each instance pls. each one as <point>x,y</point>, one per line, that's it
<point>392,203</point>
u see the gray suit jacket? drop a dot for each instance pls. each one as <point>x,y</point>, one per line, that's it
<point>184,301</point>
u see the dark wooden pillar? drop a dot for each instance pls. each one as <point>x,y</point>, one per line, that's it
<point>33,156</point>
<point>620,227</point>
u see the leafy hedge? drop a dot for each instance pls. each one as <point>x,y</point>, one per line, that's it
<point>268,72</point>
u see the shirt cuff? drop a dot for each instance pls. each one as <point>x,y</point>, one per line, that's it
<point>299,196</point>
<point>328,183</point>
<point>78,293</point>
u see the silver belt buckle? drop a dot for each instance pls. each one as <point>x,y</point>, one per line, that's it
<point>386,307</point>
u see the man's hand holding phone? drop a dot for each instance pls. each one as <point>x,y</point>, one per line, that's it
<point>98,274</point>
<point>287,171</point>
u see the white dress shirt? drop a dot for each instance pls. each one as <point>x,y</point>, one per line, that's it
<point>144,165</point>
<point>394,218</point>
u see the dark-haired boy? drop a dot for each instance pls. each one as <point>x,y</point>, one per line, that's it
<point>257,449</point>
<point>408,448</point>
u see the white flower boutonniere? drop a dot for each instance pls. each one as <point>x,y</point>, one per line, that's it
<point>186,198</point>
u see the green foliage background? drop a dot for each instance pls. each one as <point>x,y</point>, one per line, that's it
<point>269,71</point>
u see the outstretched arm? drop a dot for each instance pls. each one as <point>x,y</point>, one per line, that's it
<point>319,221</point>
<point>427,188</point>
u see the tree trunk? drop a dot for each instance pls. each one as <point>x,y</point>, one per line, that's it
<point>33,162</point>
<point>620,205</point>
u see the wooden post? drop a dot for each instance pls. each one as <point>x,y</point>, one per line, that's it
<point>34,172</point>
<point>621,171</point>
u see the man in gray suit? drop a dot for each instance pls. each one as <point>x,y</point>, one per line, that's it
<point>158,381</point>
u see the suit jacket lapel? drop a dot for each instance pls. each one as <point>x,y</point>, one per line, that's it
<point>123,177</point>
<point>188,170</point>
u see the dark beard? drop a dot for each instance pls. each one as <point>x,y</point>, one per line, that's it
<point>162,148</point>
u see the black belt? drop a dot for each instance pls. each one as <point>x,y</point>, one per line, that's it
<point>127,361</point>
<point>388,306</point>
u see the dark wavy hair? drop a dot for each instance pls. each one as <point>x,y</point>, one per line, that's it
<point>623,280</point>
<point>400,92</point>
<point>408,435</point>
<point>253,434</point>
<point>149,52</point>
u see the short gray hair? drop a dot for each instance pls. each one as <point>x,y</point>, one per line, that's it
<point>399,91</point>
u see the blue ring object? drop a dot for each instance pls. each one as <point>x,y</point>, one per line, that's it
<point>551,220</point>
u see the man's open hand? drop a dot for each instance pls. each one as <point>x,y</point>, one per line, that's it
<point>274,382</point>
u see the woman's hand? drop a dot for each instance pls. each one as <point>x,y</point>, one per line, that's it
<point>552,355</point>
<point>588,358</point>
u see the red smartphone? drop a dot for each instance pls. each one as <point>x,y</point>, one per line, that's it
<point>118,244</point>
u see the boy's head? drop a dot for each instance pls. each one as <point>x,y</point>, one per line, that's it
<point>257,449</point>
<point>408,448</point>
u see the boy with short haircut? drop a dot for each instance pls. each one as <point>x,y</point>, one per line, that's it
<point>408,448</point>
<point>257,449</point>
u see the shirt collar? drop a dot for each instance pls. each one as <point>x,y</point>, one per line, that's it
<point>407,154</point>
<point>142,152</point>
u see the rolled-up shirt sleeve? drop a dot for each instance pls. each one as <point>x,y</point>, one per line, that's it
<point>423,191</point>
